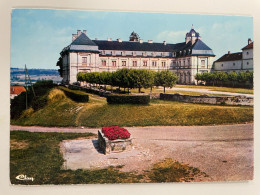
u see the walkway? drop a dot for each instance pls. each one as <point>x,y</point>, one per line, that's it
<point>224,152</point>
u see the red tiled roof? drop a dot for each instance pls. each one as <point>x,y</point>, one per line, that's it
<point>249,46</point>
<point>230,57</point>
<point>16,89</point>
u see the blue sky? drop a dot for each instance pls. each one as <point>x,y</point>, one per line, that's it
<point>38,35</point>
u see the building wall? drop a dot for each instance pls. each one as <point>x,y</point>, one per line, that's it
<point>185,67</point>
<point>228,66</point>
<point>248,62</point>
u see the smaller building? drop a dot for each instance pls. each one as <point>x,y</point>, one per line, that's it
<point>16,90</point>
<point>236,62</point>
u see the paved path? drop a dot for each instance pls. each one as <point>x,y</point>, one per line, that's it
<point>201,90</point>
<point>224,152</point>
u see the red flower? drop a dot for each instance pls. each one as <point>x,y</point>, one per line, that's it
<point>115,132</point>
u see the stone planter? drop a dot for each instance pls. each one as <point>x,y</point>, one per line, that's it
<point>110,146</point>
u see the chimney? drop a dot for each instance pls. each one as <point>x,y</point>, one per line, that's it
<point>249,41</point>
<point>164,42</point>
<point>141,41</point>
<point>228,52</point>
<point>109,39</point>
<point>78,32</point>
<point>150,41</point>
<point>119,40</point>
<point>74,36</point>
<point>85,32</point>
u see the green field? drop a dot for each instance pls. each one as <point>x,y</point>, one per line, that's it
<point>61,111</point>
<point>38,155</point>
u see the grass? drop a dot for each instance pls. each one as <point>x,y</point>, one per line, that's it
<point>97,113</point>
<point>38,155</point>
<point>213,88</point>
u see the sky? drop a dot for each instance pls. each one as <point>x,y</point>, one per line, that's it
<point>39,35</point>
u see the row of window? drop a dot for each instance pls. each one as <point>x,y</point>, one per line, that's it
<point>247,63</point>
<point>123,53</point>
<point>134,63</point>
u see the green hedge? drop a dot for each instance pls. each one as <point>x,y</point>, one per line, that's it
<point>76,95</point>
<point>128,99</point>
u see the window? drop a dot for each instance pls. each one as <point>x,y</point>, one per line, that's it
<point>183,62</point>
<point>180,63</point>
<point>234,64</point>
<point>144,63</point>
<point>247,63</point>
<point>123,63</point>
<point>113,63</point>
<point>247,53</point>
<point>188,61</point>
<point>221,65</point>
<point>103,52</point>
<point>104,62</point>
<point>202,62</point>
<point>163,64</point>
<point>84,60</point>
<point>135,63</point>
<point>154,63</point>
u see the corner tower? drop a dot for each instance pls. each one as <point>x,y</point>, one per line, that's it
<point>192,36</point>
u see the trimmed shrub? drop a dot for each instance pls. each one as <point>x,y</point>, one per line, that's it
<point>76,95</point>
<point>128,99</point>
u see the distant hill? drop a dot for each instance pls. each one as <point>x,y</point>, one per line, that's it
<point>15,71</point>
<point>18,75</point>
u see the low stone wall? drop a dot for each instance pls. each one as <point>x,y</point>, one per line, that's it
<point>111,146</point>
<point>205,99</point>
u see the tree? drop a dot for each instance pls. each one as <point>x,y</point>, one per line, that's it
<point>221,77</point>
<point>140,79</point>
<point>165,78</point>
<point>232,77</point>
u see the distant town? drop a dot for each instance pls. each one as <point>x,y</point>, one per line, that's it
<point>17,75</point>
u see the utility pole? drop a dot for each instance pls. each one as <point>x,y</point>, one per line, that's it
<point>26,86</point>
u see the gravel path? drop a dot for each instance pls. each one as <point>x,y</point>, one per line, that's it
<point>224,152</point>
<point>209,91</point>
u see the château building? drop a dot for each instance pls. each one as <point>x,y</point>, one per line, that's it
<point>236,62</point>
<point>185,59</point>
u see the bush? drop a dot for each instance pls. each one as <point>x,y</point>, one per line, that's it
<point>76,95</point>
<point>39,102</point>
<point>128,99</point>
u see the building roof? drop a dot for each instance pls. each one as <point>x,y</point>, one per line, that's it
<point>189,34</point>
<point>83,40</point>
<point>249,46</point>
<point>230,57</point>
<point>16,90</point>
<point>83,43</point>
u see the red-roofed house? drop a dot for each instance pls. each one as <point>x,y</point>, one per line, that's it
<point>236,62</point>
<point>16,90</point>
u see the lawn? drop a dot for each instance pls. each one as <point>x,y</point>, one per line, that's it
<point>97,113</point>
<point>38,155</point>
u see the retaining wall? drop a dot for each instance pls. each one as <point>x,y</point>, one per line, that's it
<point>205,99</point>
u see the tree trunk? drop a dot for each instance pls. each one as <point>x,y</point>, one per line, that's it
<point>163,89</point>
<point>151,90</point>
<point>139,91</point>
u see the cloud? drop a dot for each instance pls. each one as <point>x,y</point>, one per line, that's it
<point>171,36</point>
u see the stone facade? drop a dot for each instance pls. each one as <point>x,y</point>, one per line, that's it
<point>185,59</point>
<point>205,99</point>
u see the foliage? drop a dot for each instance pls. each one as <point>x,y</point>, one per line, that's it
<point>128,99</point>
<point>130,78</point>
<point>165,79</point>
<point>222,78</point>
<point>76,95</point>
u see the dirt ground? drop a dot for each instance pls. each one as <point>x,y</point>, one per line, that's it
<point>224,152</point>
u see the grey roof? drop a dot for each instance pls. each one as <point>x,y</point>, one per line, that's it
<point>193,31</point>
<point>83,43</point>
<point>83,40</point>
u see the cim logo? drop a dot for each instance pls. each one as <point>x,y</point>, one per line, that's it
<point>24,178</point>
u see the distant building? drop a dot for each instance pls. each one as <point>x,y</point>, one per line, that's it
<point>86,55</point>
<point>15,91</point>
<point>236,62</point>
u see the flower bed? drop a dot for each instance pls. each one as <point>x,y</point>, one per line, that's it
<point>114,139</point>
<point>115,132</point>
